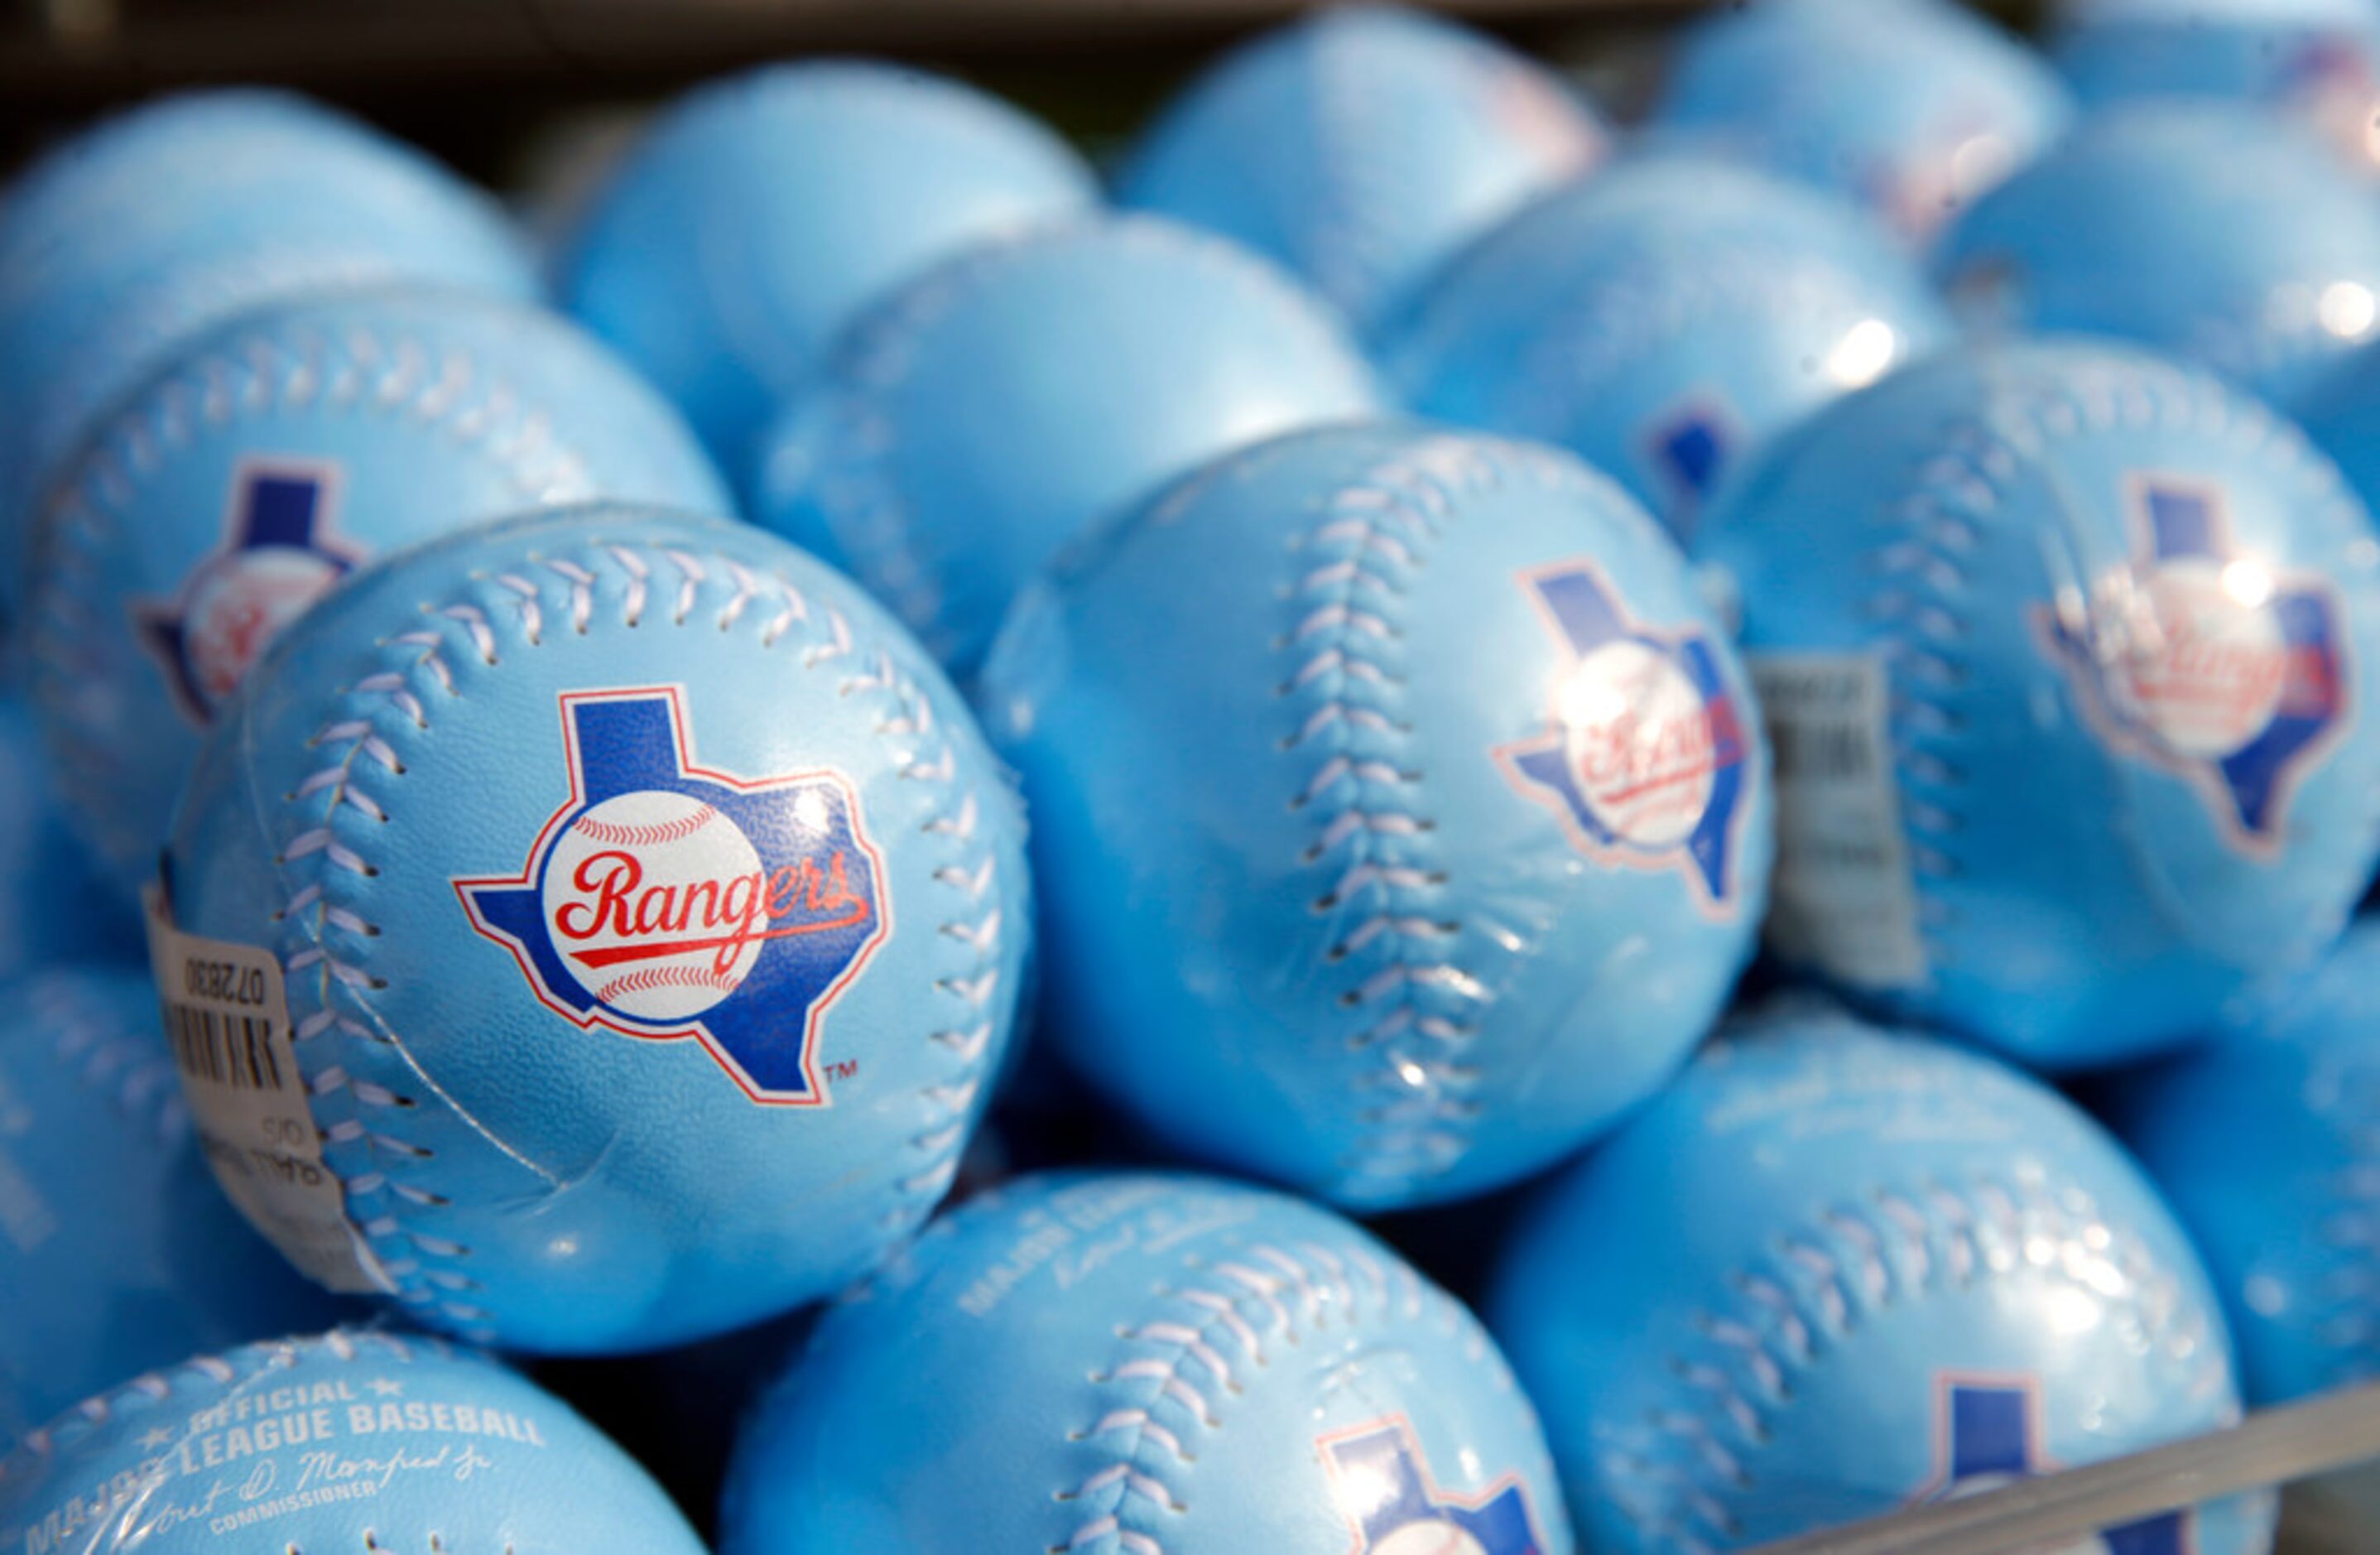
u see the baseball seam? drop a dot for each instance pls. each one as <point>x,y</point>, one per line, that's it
<point>1205,1350</point>
<point>144,1082</point>
<point>428,1269</point>
<point>1420,1007</point>
<point>1674,1476</point>
<point>353,371</point>
<point>660,834</point>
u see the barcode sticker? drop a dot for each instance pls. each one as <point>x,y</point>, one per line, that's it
<point>1842,899</point>
<point>226,1016</point>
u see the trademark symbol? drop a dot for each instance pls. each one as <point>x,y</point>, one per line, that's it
<point>842,1069</point>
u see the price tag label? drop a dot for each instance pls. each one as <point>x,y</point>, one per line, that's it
<point>227,1012</point>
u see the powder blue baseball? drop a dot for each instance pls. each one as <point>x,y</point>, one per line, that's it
<point>263,463</point>
<point>1363,148</point>
<point>117,1252</point>
<point>349,1441</point>
<point>2262,1142</point>
<point>1865,1272</point>
<point>1662,319</point>
<point>1399,806</point>
<point>2317,60</point>
<point>1910,107</point>
<point>763,210</point>
<point>651,913</point>
<point>981,417</point>
<point>128,238</point>
<point>2068,655</point>
<point>2205,230</point>
<point>1146,1365</point>
<point>55,907</point>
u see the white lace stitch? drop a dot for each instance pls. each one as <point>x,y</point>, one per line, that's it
<point>1233,1307</point>
<point>1846,1263</point>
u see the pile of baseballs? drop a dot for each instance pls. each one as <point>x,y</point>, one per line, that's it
<point>920,823</point>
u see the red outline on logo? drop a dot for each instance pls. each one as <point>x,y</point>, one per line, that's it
<point>1714,909</point>
<point>2199,774</point>
<point>596,1015</point>
<point>1510,1480</point>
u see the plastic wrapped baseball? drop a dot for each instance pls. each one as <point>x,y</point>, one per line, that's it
<point>2315,60</point>
<point>1910,107</point>
<point>978,420</point>
<point>648,914</point>
<point>2259,1141</point>
<point>763,210</point>
<point>261,467</point>
<point>2067,652</point>
<point>117,1253</point>
<point>55,907</point>
<point>132,236</point>
<point>349,1441</point>
<point>2204,230</point>
<point>1867,1271</point>
<point>1661,320</point>
<point>1363,148</point>
<point>1133,1363</point>
<point>1399,805</point>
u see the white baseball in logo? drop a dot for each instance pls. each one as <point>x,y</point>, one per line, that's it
<point>233,616</point>
<point>1429,1538</point>
<point>1639,739</point>
<point>2200,666</point>
<point>650,899</point>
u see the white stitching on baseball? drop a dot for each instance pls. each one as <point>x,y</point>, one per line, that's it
<point>1673,1477</point>
<point>131,1067</point>
<point>1182,1371</point>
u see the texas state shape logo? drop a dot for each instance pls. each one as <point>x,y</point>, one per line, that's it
<point>1987,1432</point>
<point>1384,1488</point>
<point>2209,663</point>
<point>664,901</point>
<point>1643,753</point>
<point>278,554</point>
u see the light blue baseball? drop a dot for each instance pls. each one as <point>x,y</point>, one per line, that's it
<point>2072,656</point>
<point>978,420</point>
<point>127,239</point>
<point>2315,60</point>
<point>1400,810</point>
<point>2262,1142</point>
<point>2202,229</point>
<point>651,915</point>
<point>55,907</point>
<point>1117,1364</point>
<point>352,1439</point>
<point>1865,1272</point>
<point>266,461</point>
<point>1661,320</point>
<point>1362,147</point>
<point>763,210</point>
<point>117,1252</point>
<point>1910,107</point>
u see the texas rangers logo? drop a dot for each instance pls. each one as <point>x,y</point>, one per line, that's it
<point>1987,1432</point>
<point>278,555</point>
<point>2208,663</point>
<point>1386,1493</point>
<point>664,901</point>
<point>1643,753</point>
